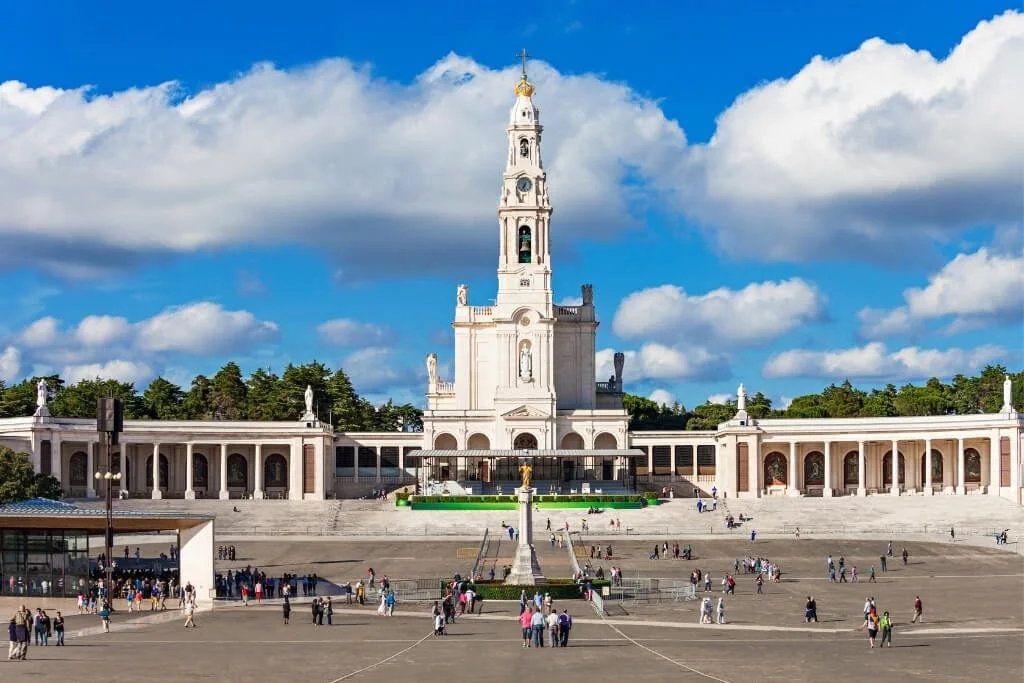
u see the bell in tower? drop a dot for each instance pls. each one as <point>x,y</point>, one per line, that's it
<point>524,244</point>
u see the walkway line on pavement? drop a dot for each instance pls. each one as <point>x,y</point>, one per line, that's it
<point>666,657</point>
<point>383,661</point>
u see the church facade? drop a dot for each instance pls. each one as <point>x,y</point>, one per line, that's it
<point>524,387</point>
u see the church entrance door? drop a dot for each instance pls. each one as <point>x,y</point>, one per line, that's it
<point>484,471</point>
<point>568,470</point>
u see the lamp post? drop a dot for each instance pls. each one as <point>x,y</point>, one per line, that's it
<point>110,478</point>
<point>109,423</point>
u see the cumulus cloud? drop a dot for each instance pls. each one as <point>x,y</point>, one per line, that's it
<point>659,362</point>
<point>758,313</point>
<point>875,361</point>
<point>10,364</point>
<point>376,172</point>
<point>127,350</point>
<point>971,291</point>
<point>202,328</point>
<point>376,369</point>
<point>122,370</point>
<point>662,397</point>
<point>875,154</point>
<point>350,333</point>
<point>720,399</point>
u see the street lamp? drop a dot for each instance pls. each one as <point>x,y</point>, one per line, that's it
<point>110,478</point>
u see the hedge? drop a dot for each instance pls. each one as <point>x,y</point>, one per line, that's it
<point>558,591</point>
<point>592,500</point>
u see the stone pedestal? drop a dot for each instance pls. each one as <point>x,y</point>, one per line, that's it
<point>525,568</point>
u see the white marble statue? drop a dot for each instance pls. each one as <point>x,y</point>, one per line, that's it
<point>42,393</point>
<point>1007,395</point>
<point>526,364</point>
<point>462,295</point>
<point>432,367</point>
<point>741,398</point>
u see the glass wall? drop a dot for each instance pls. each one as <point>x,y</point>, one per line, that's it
<point>43,562</point>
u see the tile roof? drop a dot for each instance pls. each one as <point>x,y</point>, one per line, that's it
<point>43,507</point>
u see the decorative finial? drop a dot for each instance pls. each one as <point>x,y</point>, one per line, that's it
<point>524,88</point>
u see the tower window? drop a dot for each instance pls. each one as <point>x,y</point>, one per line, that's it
<point>524,147</point>
<point>525,255</point>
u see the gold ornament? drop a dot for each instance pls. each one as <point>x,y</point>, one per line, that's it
<point>524,88</point>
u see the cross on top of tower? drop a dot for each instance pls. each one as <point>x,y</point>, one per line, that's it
<point>524,88</point>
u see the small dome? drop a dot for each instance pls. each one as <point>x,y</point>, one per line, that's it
<point>524,88</point>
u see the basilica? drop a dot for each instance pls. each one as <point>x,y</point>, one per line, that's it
<point>524,388</point>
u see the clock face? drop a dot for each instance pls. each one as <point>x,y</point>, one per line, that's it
<point>524,185</point>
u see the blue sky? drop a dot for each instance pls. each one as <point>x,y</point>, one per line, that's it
<point>782,195</point>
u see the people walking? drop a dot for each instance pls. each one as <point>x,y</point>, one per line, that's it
<point>190,610</point>
<point>721,610</point>
<point>58,628</point>
<point>286,609</point>
<point>105,616</point>
<point>918,610</point>
<point>811,610</point>
<point>871,622</point>
<point>885,625</point>
<point>564,626</point>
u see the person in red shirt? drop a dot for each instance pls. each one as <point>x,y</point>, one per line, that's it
<point>918,610</point>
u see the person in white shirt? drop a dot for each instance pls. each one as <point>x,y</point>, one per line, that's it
<point>552,624</point>
<point>721,610</point>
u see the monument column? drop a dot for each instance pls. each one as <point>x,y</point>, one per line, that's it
<point>791,476</point>
<point>122,468</point>
<point>894,489</point>
<point>961,478</point>
<point>90,468</point>
<point>525,568</point>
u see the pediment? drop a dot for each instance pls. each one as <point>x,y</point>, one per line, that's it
<point>525,412</point>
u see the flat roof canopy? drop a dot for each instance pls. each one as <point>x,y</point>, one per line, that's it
<point>562,453</point>
<point>40,513</point>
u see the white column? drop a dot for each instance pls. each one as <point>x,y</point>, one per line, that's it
<point>224,472</point>
<point>827,492</point>
<point>258,466</point>
<point>694,465</point>
<point>156,472</point>
<point>56,461</point>
<point>791,478</point>
<point>190,493</point>
<point>650,464</point>
<point>961,479</point>
<point>90,468</point>
<point>994,458</point>
<point>894,488</point>
<point>123,469</point>
<point>861,489</point>
<point>927,467</point>
<point>672,463</point>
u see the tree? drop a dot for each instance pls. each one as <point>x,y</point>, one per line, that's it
<point>807,406</point>
<point>19,400</point>
<point>759,406</point>
<point>263,397</point>
<point>842,400</point>
<point>164,400</point>
<point>197,401</point>
<point>880,402</point>
<point>294,381</point>
<point>227,394</point>
<point>18,481</point>
<point>710,415</point>
<point>348,411</point>
<point>643,412</point>
<point>79,399</point>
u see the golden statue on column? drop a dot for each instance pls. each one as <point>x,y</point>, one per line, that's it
<point>526,471</point>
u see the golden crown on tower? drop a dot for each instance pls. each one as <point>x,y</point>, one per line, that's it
<point>524,88</point>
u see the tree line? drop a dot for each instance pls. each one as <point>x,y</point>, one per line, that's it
<point>227,395</point>
<point>961,396</point>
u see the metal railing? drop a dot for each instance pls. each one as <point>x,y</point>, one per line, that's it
<point>485,544</point>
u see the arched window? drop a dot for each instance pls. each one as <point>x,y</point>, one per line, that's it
<point>200,471</point>
<point>851,469</point>
<point>79,469</point>
<point>524,147</point>
<point>936,467</point>
<point>478,442</point>
<point>814,469</point>
<point>164,467</point>
<point>445,442</point>
<point>972,466</point>
<point>606,441</point>
<point>275,471</point>
<point>887,470</point>
<point>238,471</point>
<point>776,470</point>
<point>525,244</point>
<point>525,442</point>
<point>572,442</point>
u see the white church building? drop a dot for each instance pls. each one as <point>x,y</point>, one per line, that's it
<point>524,387</point>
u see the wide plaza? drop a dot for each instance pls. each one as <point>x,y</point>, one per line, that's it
<point>973,597</point>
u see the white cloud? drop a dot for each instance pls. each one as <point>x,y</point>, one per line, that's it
<point>353,333</point>
<point>571,301</point>
<point>376,369</point>
<point>123,370</point>
<point>659,362</point>
<point>101,330</point>
<point>785,402</point>
<point>876,154</point>
<point>875,361</point>
<point>720,399</point>
<point>662,397</point>
<point>758,313</point>
<point>41,333</point>
<point>10,364</point>
<point>376,172</point>
<point>972,290</point>
<point>202,328</point>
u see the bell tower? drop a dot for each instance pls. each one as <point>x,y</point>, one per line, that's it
<point>524,212</point>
